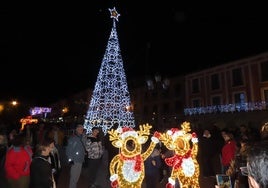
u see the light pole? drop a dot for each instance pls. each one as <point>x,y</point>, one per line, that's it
<point>157,89</point>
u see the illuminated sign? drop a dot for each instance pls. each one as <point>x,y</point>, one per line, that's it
<point>39,110</point>
<point>27,120</point>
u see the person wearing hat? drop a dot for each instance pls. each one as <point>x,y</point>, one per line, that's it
<point>75,152</point>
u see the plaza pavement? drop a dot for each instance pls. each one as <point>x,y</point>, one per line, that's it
<point>103,178</point>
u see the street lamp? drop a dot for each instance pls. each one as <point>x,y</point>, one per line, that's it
<point>14,103</point>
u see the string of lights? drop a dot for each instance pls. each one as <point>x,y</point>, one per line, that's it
<point>110,104</point>
<point>244,107</point>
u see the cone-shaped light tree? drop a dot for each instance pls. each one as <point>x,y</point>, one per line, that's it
<point>110,105</point>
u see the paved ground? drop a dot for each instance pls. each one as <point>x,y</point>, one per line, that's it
<point>103,179</point>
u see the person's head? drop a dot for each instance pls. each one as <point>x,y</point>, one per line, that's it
<point>3,139</point>
<point>206,133</point>
<point>244,143</point>
<point>19,140</point>
<point>257,165</point>
<point>227,136</point>
<point>224,132</point>
<point>79,129</point>
<point>243,128</point>
<point>95,131</point>
<point>45,148</point>
<point>49,142</point>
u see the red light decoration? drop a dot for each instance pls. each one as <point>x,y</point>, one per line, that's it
<point>27,120</point>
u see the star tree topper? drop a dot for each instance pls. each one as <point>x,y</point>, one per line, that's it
<point>114,13</point>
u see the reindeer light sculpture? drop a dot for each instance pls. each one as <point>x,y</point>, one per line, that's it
<point>184,164</point>
<point>127,167</point>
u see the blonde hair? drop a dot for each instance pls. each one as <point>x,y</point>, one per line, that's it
<point>264,131</point>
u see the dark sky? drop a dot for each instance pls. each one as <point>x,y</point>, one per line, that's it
<point>50,51</point>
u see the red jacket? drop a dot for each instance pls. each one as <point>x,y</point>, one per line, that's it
<point>17,163</point>
<point>228,152</point>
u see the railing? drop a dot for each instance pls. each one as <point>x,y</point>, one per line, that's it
<point>238,107</point>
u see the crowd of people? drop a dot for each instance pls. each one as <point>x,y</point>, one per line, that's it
<point>33,157</point>
<point>84,150</point>
<point>30,157</point>
<point>236,151</point>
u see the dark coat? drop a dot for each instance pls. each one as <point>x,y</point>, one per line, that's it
<point>3,180</point>
<point>41,173</point>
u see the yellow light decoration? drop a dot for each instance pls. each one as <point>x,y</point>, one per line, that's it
<point>27,120</point>
<point>1,108</point>
<point>127,167</point>
<point>184,164</point>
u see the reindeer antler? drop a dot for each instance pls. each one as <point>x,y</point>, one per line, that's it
<point>113,135</point>
<point>165,138</point>
<point>186,126</point>
<point>144,129</point>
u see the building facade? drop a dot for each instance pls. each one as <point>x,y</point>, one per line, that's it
<point>233,88</point>
<point>226,95</point>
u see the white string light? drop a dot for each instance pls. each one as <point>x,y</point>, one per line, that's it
<point>241,107</point>
<point>110,103</point>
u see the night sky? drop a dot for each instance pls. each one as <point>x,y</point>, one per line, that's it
<point>50,51</point>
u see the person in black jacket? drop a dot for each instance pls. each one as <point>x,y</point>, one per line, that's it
<point>54,158</point>
<point>207,149</point>
<point>152,166</point>
<point>41,175</point>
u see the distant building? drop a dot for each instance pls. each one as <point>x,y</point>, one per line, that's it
<point>225,95</point>
<point>236,87</point>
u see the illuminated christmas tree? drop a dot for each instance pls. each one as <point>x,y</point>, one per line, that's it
<point>110,105</point>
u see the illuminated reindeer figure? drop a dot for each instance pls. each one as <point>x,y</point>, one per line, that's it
<point>184,164</point>
<point>127,167</point>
